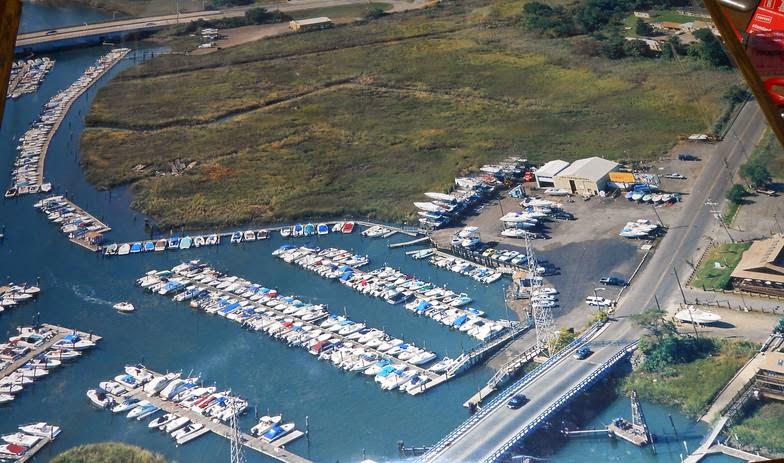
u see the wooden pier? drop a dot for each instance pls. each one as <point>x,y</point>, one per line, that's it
<point>503,374</point>
<point>82,241</point>
<point>60,333</point>
<point>274,450</point>
<point>53,131</point>
<point>31,452</point>
<point>434,377</point>
<point>409,243</point>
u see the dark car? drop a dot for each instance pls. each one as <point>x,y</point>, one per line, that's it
<point>583,353</point>
<point>517,401</point>
<point>563,215</point>
<point>612,281</point>
<point>687,157</point>
<point>51,32</point>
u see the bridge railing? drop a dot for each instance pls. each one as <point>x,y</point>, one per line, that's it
<point>563,400</point>
<point>507,393</point>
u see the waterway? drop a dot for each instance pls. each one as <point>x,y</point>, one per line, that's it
<point>349,415</point>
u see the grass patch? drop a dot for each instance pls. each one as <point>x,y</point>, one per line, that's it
<point>707,276</point>
<point>108,452</point>
<point>770,154</point>
<point>732,211</point>
<point>691,386</point>
<point>363,118</point>
<point>675,17</point>
<point>343,11</point>
<point>760,429</point>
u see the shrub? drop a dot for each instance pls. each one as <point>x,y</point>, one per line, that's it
<point>736,194</point>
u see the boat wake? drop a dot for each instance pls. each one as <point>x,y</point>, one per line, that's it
<point>88,295</point>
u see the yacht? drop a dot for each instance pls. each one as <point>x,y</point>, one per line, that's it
<point>264,424</point>
<point>40,429</point>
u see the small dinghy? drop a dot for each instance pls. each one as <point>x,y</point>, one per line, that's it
<point>124,306</point>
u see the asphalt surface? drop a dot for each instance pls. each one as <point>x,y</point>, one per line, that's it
<point>657,279</point>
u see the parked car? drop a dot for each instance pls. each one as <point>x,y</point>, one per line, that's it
<point>676,175</point>
<point>687,157</point>
<point>612,281</point>
<point>528,177</point>
<point>766,191</point>
<point>563,215</point>
<point>517,401</point>
<point>598,301</point>
<point>583,353</point>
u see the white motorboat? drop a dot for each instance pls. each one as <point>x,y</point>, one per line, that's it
<point>693,315</point>
<point>175,424</point>
<point>126,405</point>
<point>41,429</point>
<point>264,424</point>
<point>277,431</point>
<point>157,384</point>
<point>556,192</point>
<point>124,306</point>
<point>162,420</point>
<point>20,438</point>
<point>99,398</point>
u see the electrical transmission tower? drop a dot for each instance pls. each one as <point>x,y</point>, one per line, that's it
<point>543,316</point>
<point>237,456</point>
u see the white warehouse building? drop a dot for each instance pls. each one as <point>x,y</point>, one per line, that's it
<point>545,175</point>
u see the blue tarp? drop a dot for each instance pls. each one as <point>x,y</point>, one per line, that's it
<point>460,320</point>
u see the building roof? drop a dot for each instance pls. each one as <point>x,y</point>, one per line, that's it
<point>764,260</point>
<point>593,168</point>
<point>311,21</point>
<point>551,168</point>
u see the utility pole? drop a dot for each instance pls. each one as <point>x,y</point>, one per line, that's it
<point>777,222</point>
<point>677,278</point>
<point>657,215</point>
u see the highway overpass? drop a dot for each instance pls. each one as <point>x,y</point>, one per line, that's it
<point>492,435</point>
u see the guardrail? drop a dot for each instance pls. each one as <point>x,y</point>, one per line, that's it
<point>506,394</point>
<point>563,400</point>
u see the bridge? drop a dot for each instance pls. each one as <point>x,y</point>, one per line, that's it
<point>117,31</point>
<point>492,434</point>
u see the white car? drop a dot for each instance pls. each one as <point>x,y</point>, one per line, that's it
<point>598,301</point>
<point>676,176</point>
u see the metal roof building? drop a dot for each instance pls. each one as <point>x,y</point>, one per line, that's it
<point>311,24</point>
<point>544,175</point>
<point>761,269</point>
<point>585,176</point>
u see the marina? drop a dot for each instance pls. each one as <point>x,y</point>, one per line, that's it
<point>24,444</point>
<point>78,225</point>
<point>27,75</point>
<point>28,173</point>
<point>464,267</point>
<point>351,346</point>
<point>35,351</point>
<point>11,295</point>
<point>422,298</point>
<point>192,410</point>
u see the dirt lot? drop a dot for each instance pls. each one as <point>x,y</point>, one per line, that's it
<point>588,248</point>
<point>759,218</point>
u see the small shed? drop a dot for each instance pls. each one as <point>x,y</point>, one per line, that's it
<point>586,176</point>
<point>312,24</point>
<point>544,175</point>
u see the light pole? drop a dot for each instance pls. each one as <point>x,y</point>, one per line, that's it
<point>720,218</point>
<point>598,289</point>
<point>653,206</point>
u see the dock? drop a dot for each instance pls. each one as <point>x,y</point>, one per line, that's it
<point>84,241</point>
<point>274,450</point>
<point>66,108</point>
<point>32,451</point>
<point>408,243</point>
<point>313,324</point>
<point>60,331</point>
<point>507,371</point>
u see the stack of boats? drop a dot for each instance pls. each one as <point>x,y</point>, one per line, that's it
<point>136,391</point>
<point>640,228</point>
<point>176,242</point>
<point>29,339</point>
<point>73,221</point>
<point>535,211</point>
<point>12,295</point>
<point>442,208</point>
<point>26,176</point>
<point>309,229</point>
<point>28,75</point>
<point>395,287</point>
<point>20,444</point>
<point>349,345</point>
<point>646,193</point>
<point>478,272</point>
<point>467,237</point>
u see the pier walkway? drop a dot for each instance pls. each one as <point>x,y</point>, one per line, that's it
<point>64,113</point>
<point>503,374</point>
<point>60,333</point>
<point>273,450</point>
<point>32,451</point>
<point>84,240</point>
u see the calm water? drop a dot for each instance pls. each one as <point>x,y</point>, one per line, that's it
<point>36,17</point>
<point>348,414</point>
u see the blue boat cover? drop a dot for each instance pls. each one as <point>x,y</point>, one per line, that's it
<point>460,320</point>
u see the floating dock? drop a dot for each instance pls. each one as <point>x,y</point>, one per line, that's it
<point>32,451</point>
<point>84,241</point>
<point>66,108</point>
<point>433,378</point>
<point>274,450</point>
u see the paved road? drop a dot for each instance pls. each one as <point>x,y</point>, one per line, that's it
<point>157,22</point>
<point>683,237</point>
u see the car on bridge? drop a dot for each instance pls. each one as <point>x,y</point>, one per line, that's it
<point>54,31</point>
<point>583,353</point>
<point>517,401</point>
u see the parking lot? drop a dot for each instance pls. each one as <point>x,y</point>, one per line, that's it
<point>587,248</point>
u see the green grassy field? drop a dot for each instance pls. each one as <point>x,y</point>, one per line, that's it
<point>761,429</point>
<point>363,118</point>
<point>707,276</point>
<point>108,452</point>
<point>770,154</point>
<point>344,11</point>
<point>692,386</point>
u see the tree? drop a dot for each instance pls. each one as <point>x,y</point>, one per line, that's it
<point>264,16</point>
<point>709,49</point>
<point>564,337</point>
<point>779,329</point>
<point>375,13</point>
<point>613,47</point>
<point>634,48</point>
<point>655,322</point>
<point>643,28</point>
<point>553,21</point>
<point>672,48</point>
<point>736,194</point>
<point>756,174</point>
<point>736,94</point>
